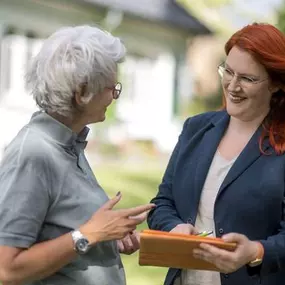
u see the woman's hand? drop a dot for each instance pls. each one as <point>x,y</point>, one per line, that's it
<point>225,260</point>
<point>187,229</point>
<point>108,224</point>
<point>129,244</point>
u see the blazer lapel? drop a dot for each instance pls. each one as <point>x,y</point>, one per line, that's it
<point>206,151</point>
<point>246,158</point>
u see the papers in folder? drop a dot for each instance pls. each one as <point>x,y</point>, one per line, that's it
<point>174,250</point>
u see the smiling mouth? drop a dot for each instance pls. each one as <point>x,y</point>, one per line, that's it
<point>236,99</point>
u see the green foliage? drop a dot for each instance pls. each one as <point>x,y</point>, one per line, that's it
<point>200,104</point>
<point>281,18</point>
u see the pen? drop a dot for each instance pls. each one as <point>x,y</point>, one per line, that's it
<point>204,233</point>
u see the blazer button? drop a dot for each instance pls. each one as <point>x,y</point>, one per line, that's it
<point>226,275</point>
<point>189,221</point>
<point>221,231</point>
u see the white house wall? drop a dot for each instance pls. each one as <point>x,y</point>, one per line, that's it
<point>16,105</point>
<point>146,105</point>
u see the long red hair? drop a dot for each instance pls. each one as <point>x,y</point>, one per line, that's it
<point>267,45</point>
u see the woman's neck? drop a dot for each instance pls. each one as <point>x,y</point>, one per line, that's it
<point>245,126</point>
<point>74,123</point>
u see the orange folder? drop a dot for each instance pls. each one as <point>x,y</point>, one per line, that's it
<point>174,250</point>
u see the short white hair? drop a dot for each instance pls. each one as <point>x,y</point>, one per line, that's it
<point>70,58</point>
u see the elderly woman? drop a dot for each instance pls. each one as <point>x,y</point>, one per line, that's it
<point>57,225</point>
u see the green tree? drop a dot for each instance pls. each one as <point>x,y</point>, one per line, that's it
<point>281,17</point>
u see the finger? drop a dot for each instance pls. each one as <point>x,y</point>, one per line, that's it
<point>204,255</point>
<point>218,253</point>
<point>135,221</point>
<point>120,246</point>
<point>222,265</point>
<point>135,239</point>
<point>143,215</point>
<point>234,237</point>
<point>127,241</point>
<point>181,229</point>
<point>137,210</point>
<point>112,202</point>
<point>128,245</point>
<point>193,230</point>
<point>131,226</point>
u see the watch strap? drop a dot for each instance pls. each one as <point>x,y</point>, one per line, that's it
<point>79,239</point>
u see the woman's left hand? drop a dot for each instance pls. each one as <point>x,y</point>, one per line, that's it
<point>225,260</point>
<point>129,244</point>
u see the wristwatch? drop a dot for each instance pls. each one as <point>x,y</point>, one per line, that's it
<point>81,243</point>
<point>259,257</point>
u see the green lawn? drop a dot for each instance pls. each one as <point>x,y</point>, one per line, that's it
<point>138,185</point>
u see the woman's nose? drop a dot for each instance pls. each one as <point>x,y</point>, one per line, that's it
<point>234,84</point>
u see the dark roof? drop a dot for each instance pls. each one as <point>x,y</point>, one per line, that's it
<point>166,11</point>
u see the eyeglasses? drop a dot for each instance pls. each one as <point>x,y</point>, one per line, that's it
<point>117,89</point>
<point>227,76</point>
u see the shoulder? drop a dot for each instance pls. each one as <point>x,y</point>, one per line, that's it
<point>28,148</point>
<point>201,120</point>
<point>205,117</point>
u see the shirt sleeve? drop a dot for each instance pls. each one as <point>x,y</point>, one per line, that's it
<point>24,202</point>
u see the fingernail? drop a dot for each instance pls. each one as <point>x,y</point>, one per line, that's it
<point>118,194</point>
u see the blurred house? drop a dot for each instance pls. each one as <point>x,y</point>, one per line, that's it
<point>224,17</point>
<point>154,80</point>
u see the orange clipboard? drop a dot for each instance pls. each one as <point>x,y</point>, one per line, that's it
<point>164,249</point>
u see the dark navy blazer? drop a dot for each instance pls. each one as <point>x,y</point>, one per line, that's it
<point>250,200</point>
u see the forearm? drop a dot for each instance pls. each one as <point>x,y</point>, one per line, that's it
<point>164,217</point>
<point>39,261</point>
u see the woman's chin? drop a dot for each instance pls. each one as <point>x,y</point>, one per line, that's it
<point>99,119</point>
<point>233,110</point>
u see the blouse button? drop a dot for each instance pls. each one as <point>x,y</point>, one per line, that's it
<point>189,221</point>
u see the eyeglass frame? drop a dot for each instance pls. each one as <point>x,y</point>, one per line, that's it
<point>222,68</point>
<point>115,90</point>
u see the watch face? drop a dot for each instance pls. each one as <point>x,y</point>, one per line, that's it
<point>82,245</point>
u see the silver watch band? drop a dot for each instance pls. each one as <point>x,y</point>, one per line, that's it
<point>76,234</point>
<point>80,242</point>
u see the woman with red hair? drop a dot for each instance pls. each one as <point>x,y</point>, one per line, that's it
<point>227,171</point>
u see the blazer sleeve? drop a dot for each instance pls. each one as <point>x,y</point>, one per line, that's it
<point>274,252</point>
<point>274,249</point>
<point>164,216</point>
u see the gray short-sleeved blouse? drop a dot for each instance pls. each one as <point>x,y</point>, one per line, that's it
<point>47,189</point>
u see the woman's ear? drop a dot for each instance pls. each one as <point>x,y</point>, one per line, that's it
<point>79,95</point>
<point>273,88</point>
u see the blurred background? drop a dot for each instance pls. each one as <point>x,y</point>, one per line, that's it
<point>170,73</point>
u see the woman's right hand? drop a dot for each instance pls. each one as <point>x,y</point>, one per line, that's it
<point>109,224</point>
<point>185,229</point>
